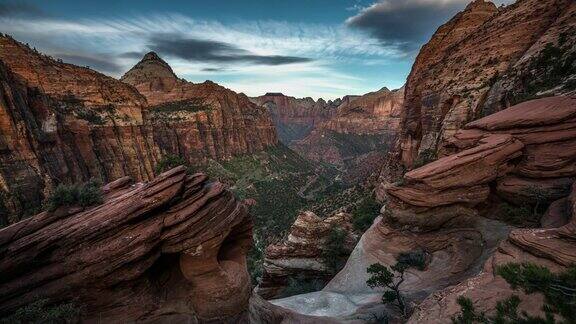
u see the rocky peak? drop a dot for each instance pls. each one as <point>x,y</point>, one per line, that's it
<point>151,67</point>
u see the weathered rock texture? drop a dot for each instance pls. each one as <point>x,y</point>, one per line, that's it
<point>300,255</point>
<point>64,123</point>
<point>523,155</point>
<point>482,61</point>
<point>171,250</point>
<point>360,126</point>
<point>295,118</point>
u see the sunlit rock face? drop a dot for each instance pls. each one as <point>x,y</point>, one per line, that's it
<point>169,250</point>
<point>62,123</point>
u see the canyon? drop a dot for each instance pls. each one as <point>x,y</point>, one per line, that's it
<point>472,164</point>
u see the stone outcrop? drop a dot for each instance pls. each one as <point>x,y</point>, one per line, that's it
<point>360,126</point>
<point>171,250</point>
<point>300,255</point>
<point>295,118</point>
<point>61,123</point>
<point>482,61</point>
<point>491,160</point>
<point>553,248</point>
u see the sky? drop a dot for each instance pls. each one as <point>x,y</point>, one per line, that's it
<point>302,48</point>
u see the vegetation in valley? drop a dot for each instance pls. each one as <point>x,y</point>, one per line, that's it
<point>281,184</point>
<point>41,311</point>
<point>364,213</point>
<point>335,253</point>
<point>392,277</point>
<point>84,195</point>
<point>558,290</point>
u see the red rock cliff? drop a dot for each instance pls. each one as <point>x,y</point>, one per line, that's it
<point>295,118</point>
<point>64,123</point>
<point>481,61</point>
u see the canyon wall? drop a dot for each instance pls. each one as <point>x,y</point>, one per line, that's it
<point>62,123</point>
<point>296,117</point>
<point>360,126</point>
<point>484,60</point>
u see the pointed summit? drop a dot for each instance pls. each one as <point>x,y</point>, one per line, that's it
<point>150,68</point>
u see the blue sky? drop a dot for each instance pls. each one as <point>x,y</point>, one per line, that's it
<point>315,48</point>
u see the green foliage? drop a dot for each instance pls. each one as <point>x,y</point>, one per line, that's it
<point>84,195</point>
<point>299,285</point>
<point>517,215</point>
<point>553,66</point>
<point>189,105</point>
<point>391,278</point>
<point>169,162</point>
<point>364,214</point>
<point>90,116</point>
<point>558,289</point>
<point>41,312</point>
<point>425,157</point>
<point>335,253</point>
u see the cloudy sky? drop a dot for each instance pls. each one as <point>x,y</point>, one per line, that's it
<point>316,48</point>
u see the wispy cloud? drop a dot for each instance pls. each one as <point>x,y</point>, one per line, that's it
<point>303,57</point>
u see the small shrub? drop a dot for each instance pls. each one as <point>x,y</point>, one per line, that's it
<point>171,161</point>
<point>300,285</point>
<point>90,116</point>
<point>558,289</point>
<point>364,214</point>
<point>335,253</point>
<point>516,215</point>
<point>40,312</point>
<point>87,194</point>
<point>427,156</point>
<point>393,277</point>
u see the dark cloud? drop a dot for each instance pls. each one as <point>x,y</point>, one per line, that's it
<point>104,64</point>
<point>216,52</point>
<point>19,9</point>
<point>405,23</point>
<point>214,70</point>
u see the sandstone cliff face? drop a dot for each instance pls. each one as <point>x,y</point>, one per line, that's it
<point>294,117</point>
<point>63,123</point>
<point>479,62</point>
<point>360,125</point>
<point>300,255</point>
<point>171,250</point>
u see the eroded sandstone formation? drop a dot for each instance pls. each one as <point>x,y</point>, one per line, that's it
<point>300,255</point>
<point>523,155</point>
<point>170,250</point>
<point>484,60</point>
<point>61,123</point>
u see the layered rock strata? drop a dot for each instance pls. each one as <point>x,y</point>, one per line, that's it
<point>170,250</point>
<point>295,118</point>
<point>61,123</point>
<point>301,254</point>
<point>484,60</point>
